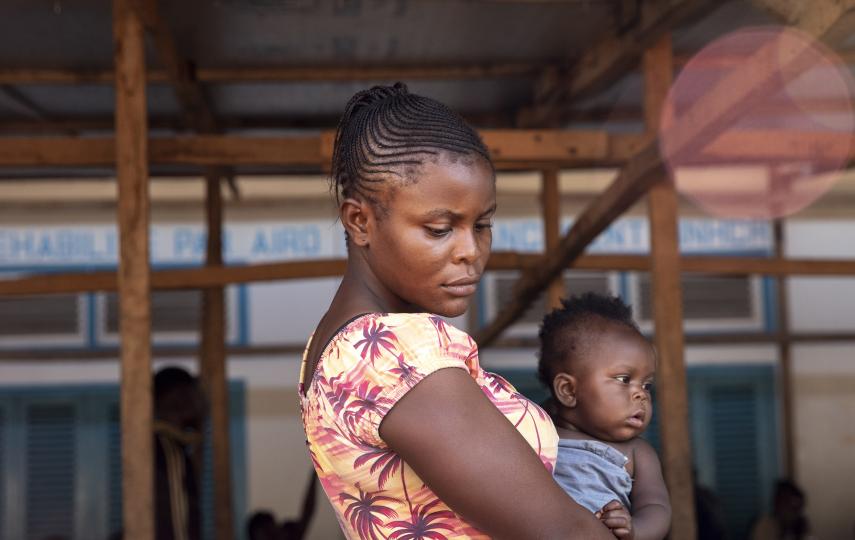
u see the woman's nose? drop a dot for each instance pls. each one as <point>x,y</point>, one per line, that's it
<point>466,248</point>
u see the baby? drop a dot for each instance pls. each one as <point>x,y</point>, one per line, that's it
<point>600,368</point>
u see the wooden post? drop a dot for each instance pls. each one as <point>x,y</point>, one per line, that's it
<point>550,203</point>
<point>133,274</point>
<point>785,357</point>
<point>212,363</point>
<point>671,396</point>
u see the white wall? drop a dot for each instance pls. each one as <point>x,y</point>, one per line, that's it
<point>824,405</point>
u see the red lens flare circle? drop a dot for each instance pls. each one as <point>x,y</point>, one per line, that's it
<point>789,139</point>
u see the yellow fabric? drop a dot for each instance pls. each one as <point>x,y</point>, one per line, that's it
<point>367,367</point>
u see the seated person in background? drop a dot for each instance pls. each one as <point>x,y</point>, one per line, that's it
<point>179,412</point>
<point>788,520</point>
<point>262,525</point>
<point>600,368</point>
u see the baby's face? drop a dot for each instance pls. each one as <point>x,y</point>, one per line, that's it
<point>613,382</point>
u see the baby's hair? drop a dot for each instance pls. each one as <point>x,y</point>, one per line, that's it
<point>565,329</point>
<point>387,131</point>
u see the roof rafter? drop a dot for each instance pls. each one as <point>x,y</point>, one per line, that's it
<point>511,149</point>
<point>319,73</point>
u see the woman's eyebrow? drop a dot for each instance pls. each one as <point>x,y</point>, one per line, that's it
<point>440,213</point>
<point>445,213</point>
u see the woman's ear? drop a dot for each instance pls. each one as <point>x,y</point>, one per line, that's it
<point>356,216</point>
<point>564,386</point>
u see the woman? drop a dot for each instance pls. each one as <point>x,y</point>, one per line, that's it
<point>405,448</point>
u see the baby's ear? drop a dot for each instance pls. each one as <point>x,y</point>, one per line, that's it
<point>564,386</point>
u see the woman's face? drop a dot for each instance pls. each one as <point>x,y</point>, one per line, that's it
<point>429,249</point>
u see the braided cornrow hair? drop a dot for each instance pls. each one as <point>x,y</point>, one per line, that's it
<point>386,131</point>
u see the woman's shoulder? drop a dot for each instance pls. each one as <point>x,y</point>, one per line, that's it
<point>406,326</point>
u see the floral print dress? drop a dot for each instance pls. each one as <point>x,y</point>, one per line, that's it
<point>365,369</point>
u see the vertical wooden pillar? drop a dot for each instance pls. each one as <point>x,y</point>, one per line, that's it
<point>133,275</point>
<point>671,395</point>
<point>785,357</point>
<point>213,364</point>
<point>550,203</point>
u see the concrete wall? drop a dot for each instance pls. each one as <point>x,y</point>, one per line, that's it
<point>824,379</point>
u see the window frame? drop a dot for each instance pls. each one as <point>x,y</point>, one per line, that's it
<point>757,322</point>
<point>53,340</point>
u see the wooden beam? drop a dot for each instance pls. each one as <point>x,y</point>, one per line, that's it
<point>213,363</point>
<point>723,339</point>
<point>816,17</point>
<point>199,114</point>
<point>550,204</point>
<point>785,359</point>
<point>291,74</point>
<point>672,402</point>
<point>511,149</point>
<point>237,352</point>
<point>204,277</point>
<point>605,61</point>
<point>507,146</point>
<point>284,74</point>
<point>60,125</point>
<point>133,275</point>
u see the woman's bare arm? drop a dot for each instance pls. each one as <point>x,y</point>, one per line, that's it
<point>467,452</point>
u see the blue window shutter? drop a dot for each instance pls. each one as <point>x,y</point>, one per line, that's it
<point>237,438</point>
<point>737,479</point>
<point>207,485</point>
<point>114,469</point>
<point>2,469</point>
<point>50,444</point>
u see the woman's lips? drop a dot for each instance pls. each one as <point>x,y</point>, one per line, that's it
<point>461,290</point>
<point>462,287</point>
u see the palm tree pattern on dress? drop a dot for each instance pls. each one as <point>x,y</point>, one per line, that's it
<point>371,363</point>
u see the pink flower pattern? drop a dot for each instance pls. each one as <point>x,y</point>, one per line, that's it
<point>370,364</point>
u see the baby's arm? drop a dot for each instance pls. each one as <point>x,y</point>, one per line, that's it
<point>651,509</point>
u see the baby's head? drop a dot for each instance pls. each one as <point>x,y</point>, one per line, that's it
<point>598,367</point>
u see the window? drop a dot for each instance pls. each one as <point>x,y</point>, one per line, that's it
<point>56,319</point>
<point>60,450</point>
<point>50,469</point>
<point>710,302</point>
<point>172,312</point>
<point>498,291</point>
<point>175,316</point>
<point>2,472</point>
